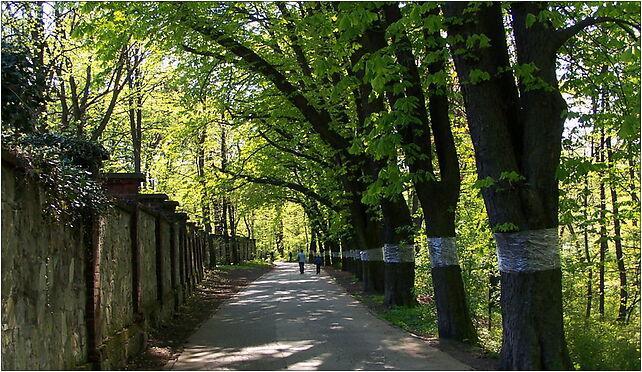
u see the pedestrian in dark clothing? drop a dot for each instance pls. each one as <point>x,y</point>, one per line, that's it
<point>301,258</point>
<point>290,256</point>
<point>318,262</point>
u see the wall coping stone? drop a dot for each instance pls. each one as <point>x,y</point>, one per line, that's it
<point>152,197</point>
<point>123,176</point>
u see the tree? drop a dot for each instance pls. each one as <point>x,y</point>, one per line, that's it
<point>517,131</point>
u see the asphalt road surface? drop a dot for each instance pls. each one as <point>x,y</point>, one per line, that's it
<point>288,321</point>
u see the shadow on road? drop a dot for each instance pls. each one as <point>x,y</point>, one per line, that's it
<point>286,320</point>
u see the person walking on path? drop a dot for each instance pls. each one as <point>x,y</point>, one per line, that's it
<point>317,261</point>
<point>301,258</point>
<point>290,258</point>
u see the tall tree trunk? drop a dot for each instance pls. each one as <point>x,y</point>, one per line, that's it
<point>234,241</point>
<point>279,236</point>
<point>603,240</point>
<point>367,261</point>
<point>399,252</point>
<point>327,250</point>
<point>438,197</point>
<point>417,218</point>
<point>633,189</point>
<point>517,143</point>
<point>135,122</point>
<point>227,259</point>
<point>617,236</point>
<point>135,111</point>
<point>587,253</point>
<point>118,87</point>
<point>227,244</point>
<point>313,242</point>
<point>205,199</point>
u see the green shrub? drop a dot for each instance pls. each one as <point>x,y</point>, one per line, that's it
<point>598,345</point>
<point>66,167</point>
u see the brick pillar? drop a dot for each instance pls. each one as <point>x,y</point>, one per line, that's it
<point>190,255</point>
<point>155,203</point>
<point>123,185</point>
<point>197,255</point>
<point>91,231</point>
<point>181,219</point>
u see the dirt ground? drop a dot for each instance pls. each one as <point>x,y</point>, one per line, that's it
<point>166,342</point>
<point>462,352</point>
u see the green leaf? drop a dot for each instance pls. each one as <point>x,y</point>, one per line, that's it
<point>530,19</point>
<point>505,227</point>
<point>511,176</point>
<point>477,76</point>
<point>486,182</point>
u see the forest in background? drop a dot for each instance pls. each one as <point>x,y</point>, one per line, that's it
<point>284,121</point>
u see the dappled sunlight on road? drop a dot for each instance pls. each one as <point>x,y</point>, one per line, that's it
<point>289,321</point>
<point>202,357</point>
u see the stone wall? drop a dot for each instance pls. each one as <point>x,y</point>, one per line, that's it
<point>164,269</point>
<point>116,273</point>
<point>117,333</point>
<point>84,296</point>
<point>43,283</point>
<point>147,262</point>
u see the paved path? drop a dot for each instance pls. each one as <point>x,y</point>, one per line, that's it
<point>288,321</point>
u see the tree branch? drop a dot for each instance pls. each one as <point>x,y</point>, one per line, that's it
<point>565,34</point>
<point>293,152</point>
<point>204,53</point>
<point>320,119</point>
<point>281,183</point>
<point>298,51</point>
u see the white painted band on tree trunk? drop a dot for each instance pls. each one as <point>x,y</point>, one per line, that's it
<point>443,251</point>
<point>372,254</point>
<point>393,253</point>
<point>528,251</point>
<point>356,255</point>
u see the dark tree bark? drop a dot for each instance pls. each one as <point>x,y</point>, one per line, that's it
<point>438,197</point>
<point>118,87</point>
<point>205,198</point>
<point>234,241</point>
<point>399,274</point>
<point>617,236</point>
<point>587,253</point>
<point>517,130</point>
<point>227,242</point>
<point>135,100</point>
<point>604,242</point>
